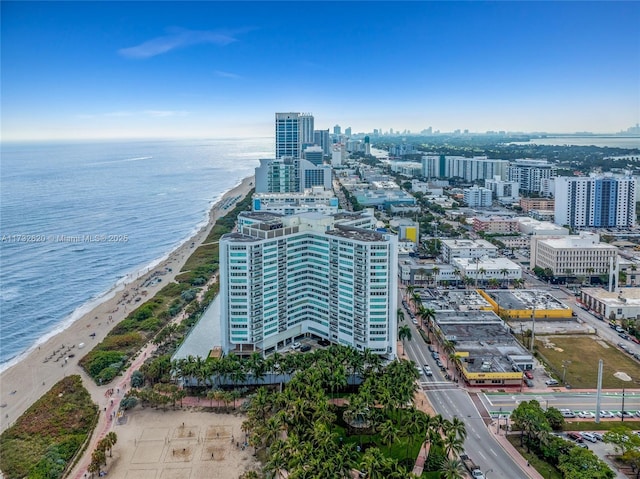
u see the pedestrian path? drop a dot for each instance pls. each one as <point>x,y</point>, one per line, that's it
<point>513,452</point>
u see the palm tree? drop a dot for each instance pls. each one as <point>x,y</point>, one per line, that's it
<point>436,272</point>
<point>112,439</point>
<point>458,426</point>
<point>400,315</point>
<point>404,332</point>
<point>389,433</point>
<point>481,272</point>
<point>504,272</point>
<point>428,315</point>
<point>452,469</point>
<point>452,444</point>
<point>416,299</point>
<point>372,463</point>
<point>456,273</point>
<point>410,289</point>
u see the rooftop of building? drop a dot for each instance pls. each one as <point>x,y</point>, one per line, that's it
<point>467,243</point>
<point>624,296</point>
<point>461,301</point>
<point>359,234</point>
<point>581,241</point>
<point>486,263</point>
<point>519,299</point>
<point>262,215</point>
<point>484,336</point>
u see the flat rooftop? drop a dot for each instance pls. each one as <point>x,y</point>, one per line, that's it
<point>525,299</point>
<point>485,337</point>
<point>467,243</point>
<point>359,234</point>
<point>626,296</point>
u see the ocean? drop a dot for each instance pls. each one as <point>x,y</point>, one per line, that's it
<point>78,218</point>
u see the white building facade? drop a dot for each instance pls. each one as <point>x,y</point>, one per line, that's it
<point>478,197</point>
<point>581,255</point>
<point>282,277</point>
<point>597,201</point>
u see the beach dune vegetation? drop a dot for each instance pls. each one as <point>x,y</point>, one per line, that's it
<point>47,436</point>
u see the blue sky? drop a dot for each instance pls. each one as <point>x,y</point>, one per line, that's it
<point>213,69</point>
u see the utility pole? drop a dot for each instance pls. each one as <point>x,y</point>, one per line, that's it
<point>600,364</point>
<point>622,412</point>
<point>533,328</point>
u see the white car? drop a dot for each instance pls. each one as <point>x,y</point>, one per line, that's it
<point>607,414</point>
<point>551,382</point>
<point>295,345</point>
<point>586,414</point>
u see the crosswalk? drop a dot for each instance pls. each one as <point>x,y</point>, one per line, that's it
<point>438,385</point>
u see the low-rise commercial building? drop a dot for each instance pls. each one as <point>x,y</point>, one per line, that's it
<point>612,305</point>
<point>582,255</point>
<point>484,270</point>
<point>467,248</point>
<point>525,304</point>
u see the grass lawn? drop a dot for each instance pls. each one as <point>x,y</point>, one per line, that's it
<point>603,426</point>
<point>544,468</point>
<point>584,353</point>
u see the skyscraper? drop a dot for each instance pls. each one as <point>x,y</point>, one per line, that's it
<point>531,174</point>
<point>293,131</point>
<point>287,135</point>
<point>597,201</point>
<point>331,277</point>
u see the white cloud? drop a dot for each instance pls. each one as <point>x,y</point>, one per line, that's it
<point>226,74</point>
<point>164,113</point>
<point>177,38</point>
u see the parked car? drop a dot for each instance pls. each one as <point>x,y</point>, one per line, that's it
<point>529,382</point>
<point>586,415</point>
<point>528,374</point>
<point>587,436</point>
<point>439,363</point>
<point>597,435</point>
<point>607,414</point>
<point>567,413</point>
<point>625,414</point>
<point>295,345</point>
<point>435,355</point>
<point>430,348</point>
<point>324,342</point>
<point>551,382</point>
<point>582,445</point>
<point>304,348</point>
<point>575,436</point>
<point>635,340</point>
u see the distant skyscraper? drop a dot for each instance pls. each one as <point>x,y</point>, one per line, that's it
<point>293,130</point>
<point>337,130</point>
<point>347,131</point>
<point>321,138</point>
<point>531,174</point>
<point>596,202</point>
<point>287,135</point>
<point>306,128</point>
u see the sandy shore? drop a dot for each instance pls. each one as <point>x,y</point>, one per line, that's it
<point>25,382</point>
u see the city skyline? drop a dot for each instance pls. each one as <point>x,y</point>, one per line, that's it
<point>216,69</point>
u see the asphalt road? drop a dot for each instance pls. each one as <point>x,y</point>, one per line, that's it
<point>500,402</point>
<point>449,400</point>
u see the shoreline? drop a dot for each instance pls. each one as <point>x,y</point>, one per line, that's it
<point>121,283</point>
<point>34,371</point>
